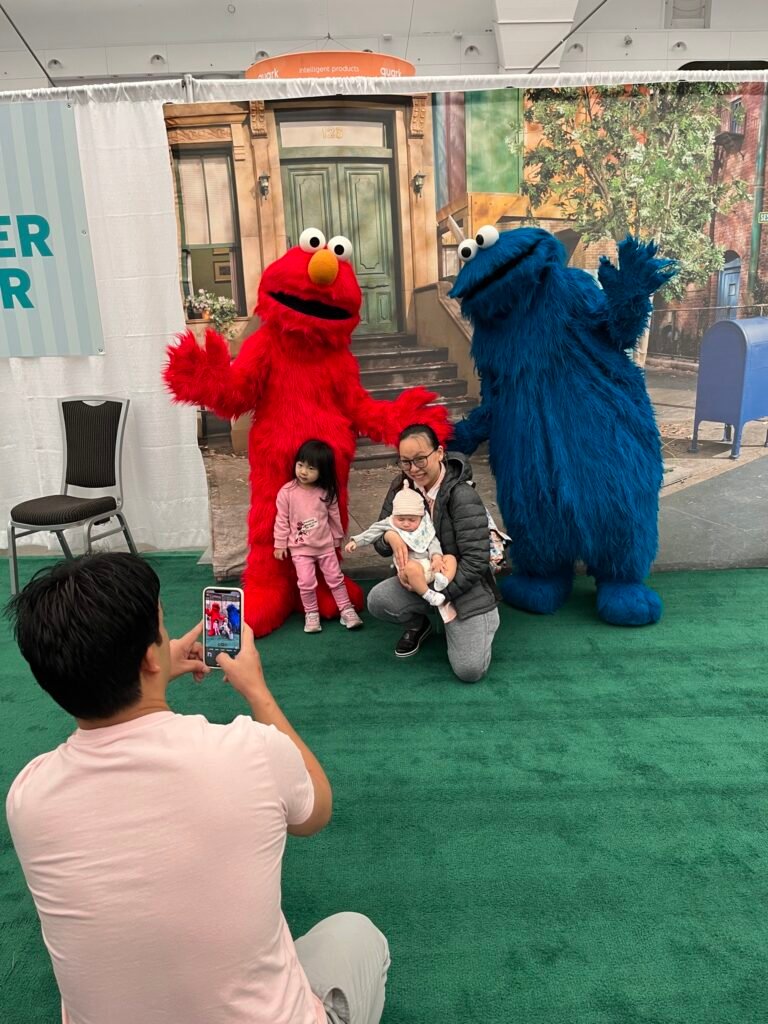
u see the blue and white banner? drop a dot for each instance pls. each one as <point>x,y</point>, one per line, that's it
<point>48,300</point>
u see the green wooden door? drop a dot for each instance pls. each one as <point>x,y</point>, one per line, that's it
<point>352,199</point>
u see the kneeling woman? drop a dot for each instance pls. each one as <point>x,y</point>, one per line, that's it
<point>461,524</point>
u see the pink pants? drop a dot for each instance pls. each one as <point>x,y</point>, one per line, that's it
<point>306,566</point>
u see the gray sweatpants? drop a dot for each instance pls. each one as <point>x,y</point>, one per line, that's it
<point>469,640</point>
<point>346,959</point>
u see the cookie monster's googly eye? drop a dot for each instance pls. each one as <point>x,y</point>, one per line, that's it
<point>487,236</point>
<point>467,250</point>
<point>310,240</point>
<point>341,247</point>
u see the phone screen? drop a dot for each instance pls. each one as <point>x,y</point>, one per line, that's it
<point>222,618</point>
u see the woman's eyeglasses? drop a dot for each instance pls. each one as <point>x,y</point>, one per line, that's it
<point>419,462</point>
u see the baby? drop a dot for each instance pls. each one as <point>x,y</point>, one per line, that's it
<point>426,562</point>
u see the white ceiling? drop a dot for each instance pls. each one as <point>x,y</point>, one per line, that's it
<point>82,23</point>
<point>98,40</point>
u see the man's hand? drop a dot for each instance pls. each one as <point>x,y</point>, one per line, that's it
<point>244,673</point>
<point>187,655</point>
<point>399,549</point>
<point>350,547</point>
<point>280,553</point>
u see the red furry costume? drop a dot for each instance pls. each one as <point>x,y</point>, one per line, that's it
<point>298,378</point>
<point>214,616</point>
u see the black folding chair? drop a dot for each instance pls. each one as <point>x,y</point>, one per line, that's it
<point>92,430</point>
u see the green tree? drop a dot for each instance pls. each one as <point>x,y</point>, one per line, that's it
<point>635,159</point>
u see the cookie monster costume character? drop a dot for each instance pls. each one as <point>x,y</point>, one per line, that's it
<point>573,442</point>
<point>299,380</point>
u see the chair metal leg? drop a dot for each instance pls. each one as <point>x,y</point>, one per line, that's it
<point>12,563</point>
<point>64,546</point>
<point>694,445</point>
<point>736,449</point>
<point>129,539</point>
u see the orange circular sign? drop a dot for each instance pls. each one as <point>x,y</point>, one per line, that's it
<point>332,64</point>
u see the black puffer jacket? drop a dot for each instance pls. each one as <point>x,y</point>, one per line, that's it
<point>461,525</point>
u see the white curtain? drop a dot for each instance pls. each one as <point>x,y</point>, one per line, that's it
<point>129,198</point>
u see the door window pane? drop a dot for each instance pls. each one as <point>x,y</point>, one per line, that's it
<point>333,133</point>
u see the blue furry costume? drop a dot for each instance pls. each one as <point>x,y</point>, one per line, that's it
<point>573,441</point>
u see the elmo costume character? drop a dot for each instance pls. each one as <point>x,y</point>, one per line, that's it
<point>215,618</point>
<point>298,378</point>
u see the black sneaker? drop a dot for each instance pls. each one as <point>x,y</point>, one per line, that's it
<point>412,639</point>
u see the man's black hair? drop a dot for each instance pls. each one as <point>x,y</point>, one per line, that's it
<point>84,627</point>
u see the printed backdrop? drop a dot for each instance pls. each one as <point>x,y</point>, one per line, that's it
<point>404,177</point>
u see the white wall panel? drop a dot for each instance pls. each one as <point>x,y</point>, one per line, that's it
<point>17,64</point>
<point>697,45</point>
<point>135,60</point>
<point>88,62</point>
<point>16,84</point>
<point>612,46</point>
<point>749,45</point>
<point>224,57</point>
<point>486,50</point>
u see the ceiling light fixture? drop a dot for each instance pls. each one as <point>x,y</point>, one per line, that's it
<point>157,58</point>
<point>54,64</point>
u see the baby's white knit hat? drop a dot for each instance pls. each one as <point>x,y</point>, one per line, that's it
<point>408,503</point>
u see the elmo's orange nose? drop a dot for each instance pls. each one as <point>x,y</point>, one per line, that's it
<point>323,267</point>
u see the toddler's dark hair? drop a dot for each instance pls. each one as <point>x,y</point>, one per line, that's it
<point>319,456</point>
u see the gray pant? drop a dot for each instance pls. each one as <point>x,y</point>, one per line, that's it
<point>346,959</point>
<point>469,640</point>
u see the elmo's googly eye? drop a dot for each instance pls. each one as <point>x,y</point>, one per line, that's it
<point>468,250</point>
<point>310,240</point>
<point>487,236</point>
<point>341,247</point>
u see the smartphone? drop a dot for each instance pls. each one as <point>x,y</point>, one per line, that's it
<point>222,622</point>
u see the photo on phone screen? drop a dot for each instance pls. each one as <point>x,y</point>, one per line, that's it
<point>222,622</point>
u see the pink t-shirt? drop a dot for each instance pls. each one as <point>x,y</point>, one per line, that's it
<point>304,522</point>
<point>153,852</point>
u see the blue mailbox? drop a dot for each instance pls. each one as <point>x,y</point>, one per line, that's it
<point>733,377</point>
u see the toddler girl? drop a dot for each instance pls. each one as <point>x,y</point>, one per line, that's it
<point>426,562</point>
<point>308,525</point>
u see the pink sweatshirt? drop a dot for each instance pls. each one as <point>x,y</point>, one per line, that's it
<point>304,522</point>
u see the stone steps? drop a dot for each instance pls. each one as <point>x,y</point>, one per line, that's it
<point>390,356</point>
<point>389,364</point>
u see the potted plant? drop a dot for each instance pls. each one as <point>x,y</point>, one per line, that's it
<point>218,309</point>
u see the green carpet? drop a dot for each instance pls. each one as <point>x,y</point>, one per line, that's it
<point>579,839</point>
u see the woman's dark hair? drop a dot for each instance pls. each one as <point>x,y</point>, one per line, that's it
<point>319,456</point>
<point>84,626</point>
<point>416,430</point>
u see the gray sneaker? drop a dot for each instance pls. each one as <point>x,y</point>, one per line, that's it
<point>350,619</point>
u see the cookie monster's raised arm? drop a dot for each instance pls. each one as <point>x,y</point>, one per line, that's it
<point>628,288</point>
